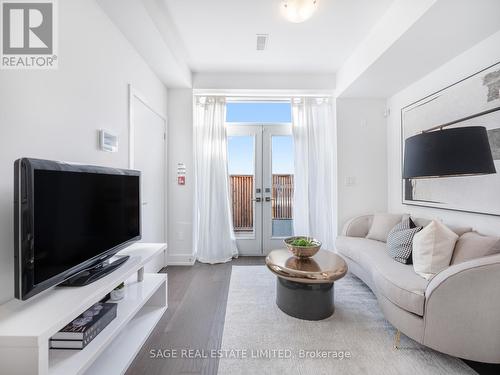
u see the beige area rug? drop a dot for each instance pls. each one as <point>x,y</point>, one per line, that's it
<point>260,339</point>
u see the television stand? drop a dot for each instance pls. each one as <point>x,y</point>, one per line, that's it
<point>95,272</point>
<point>27,326</point>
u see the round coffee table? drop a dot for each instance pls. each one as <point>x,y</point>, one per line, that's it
<point>304,287</point>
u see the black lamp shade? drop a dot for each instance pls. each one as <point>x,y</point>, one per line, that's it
<point>448,152</point>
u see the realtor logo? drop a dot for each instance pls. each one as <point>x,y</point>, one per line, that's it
<point>28,34</point>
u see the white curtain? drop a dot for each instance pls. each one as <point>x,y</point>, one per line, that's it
<point>315,169</point>
<point>213,235</point>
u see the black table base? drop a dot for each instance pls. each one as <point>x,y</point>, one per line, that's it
<point>305,301</point>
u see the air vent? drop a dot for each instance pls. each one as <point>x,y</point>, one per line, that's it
<point>262,41</point>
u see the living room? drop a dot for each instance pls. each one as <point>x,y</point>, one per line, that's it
<point>231,187</point>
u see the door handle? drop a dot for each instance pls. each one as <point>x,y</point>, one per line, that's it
<point>258,199</point>
<point>269,199</point>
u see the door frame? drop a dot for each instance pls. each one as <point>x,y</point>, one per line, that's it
<point>262,236</point>
<point>134,93</point>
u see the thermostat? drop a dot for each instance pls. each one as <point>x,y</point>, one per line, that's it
<point>108,141</point>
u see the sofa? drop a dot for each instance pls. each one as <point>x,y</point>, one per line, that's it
<point>456,312</point>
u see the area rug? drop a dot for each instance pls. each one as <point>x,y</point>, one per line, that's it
<point>259,338</point>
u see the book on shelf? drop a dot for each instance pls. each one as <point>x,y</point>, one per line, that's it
<point>82,330</point>
<point>66,344</point>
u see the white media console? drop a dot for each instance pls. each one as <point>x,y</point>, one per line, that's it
<point>26,326</point>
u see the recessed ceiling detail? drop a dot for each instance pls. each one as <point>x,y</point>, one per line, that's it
<point>220,35</point>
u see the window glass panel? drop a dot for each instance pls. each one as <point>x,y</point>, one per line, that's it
<point>279,112</point>
<point>241,168</point>
<point>282,188</point>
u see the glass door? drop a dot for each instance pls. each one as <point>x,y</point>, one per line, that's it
<point>244,154</point>
<point>277,176</point>
<point>260,166</point>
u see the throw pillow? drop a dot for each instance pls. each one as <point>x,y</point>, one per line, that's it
<point>382,225</point>
<point>432,249</point>
<point>400,241</point>
<point>419,222</point>
<point>473,245</point>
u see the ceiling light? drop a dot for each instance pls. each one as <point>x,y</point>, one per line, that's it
<point>298,10</point>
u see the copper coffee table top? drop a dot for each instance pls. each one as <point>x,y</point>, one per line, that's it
<point>324,267</point>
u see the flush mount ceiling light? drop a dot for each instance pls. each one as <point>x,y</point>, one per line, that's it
<point>297,11</point>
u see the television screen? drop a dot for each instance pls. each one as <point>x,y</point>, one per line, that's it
<point>71,216</point>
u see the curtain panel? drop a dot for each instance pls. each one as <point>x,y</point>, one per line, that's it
<point>213,236</point>
<point>314,132</point>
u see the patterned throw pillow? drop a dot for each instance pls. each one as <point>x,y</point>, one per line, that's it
<point>400,241</point>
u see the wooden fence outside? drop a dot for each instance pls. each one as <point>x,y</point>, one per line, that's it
<point>283,196</point>
<point>242,188</point>
<point>242,204</point>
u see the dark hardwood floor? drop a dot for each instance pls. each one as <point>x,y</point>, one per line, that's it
<point>194,319</point>
<point>197,298</point>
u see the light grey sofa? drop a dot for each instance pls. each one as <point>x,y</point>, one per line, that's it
<point>457,312</point>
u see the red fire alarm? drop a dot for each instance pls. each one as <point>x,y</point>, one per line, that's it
<point>181,180</point>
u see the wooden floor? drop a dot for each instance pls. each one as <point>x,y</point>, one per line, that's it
<point>194,319</point>
<point>197,298</point>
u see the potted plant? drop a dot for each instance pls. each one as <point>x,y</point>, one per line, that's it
<point>302,246</point>
<point>118,293</point>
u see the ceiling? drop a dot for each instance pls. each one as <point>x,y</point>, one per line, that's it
<point>220,35</point>
<point>434,39</point>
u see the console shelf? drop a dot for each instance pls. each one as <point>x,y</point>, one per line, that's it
<point>26,327</point>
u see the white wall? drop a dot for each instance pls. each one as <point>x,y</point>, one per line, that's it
<point>56,114</point>
<point>264,81</point>
<point>478,57</point>
<point>361,159</point>
<point>180,198</point>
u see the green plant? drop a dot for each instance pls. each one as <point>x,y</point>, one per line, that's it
<point>303,242</point>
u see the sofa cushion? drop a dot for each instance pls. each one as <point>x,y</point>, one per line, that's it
<point>357,248</point>
<point>382,225</point>
<point>395,281</point>
<point>472,245</point>
<point>419,222</point>
<point>400,241</point>
<point>433,248</point>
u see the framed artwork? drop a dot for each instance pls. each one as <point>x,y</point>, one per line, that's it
<point>473,101</point>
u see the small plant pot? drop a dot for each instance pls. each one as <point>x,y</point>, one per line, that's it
<point>302,251</point>
<point>117,294</point>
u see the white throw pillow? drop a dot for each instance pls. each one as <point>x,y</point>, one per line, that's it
<point>432,249</point>
<point>472,245</point>
<point>382,225</point>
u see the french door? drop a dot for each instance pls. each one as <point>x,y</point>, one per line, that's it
<point>260,165</point>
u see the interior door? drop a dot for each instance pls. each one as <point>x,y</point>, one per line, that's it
<point>148,155</point>
<point>260,166</point>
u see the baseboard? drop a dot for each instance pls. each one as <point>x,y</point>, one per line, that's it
<point>180,259</point>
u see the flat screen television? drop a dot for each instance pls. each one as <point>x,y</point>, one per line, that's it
<point>69,218</point>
